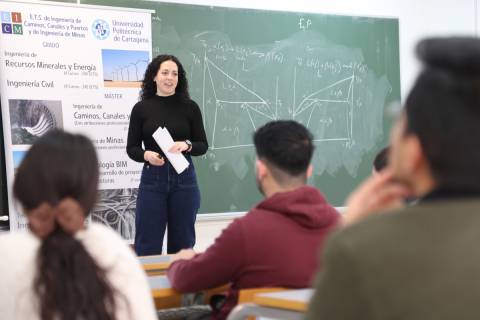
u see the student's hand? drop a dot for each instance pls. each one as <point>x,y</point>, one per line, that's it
<point>179,146</point>
<point>184,254</point>
<point>378,193</point>
<point>154,158</point>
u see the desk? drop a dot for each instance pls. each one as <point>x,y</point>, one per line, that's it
<point>289,304</point>
<point>165,297</point>
<point>155,265</point>
<point>163,294</point>
<point>295,300</point>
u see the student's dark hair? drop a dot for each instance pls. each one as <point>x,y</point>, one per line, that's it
<point>381,159</point>
<point>149,87</point>
<point>68,282</point>
<point>443,110</point>
<point>285,144</point>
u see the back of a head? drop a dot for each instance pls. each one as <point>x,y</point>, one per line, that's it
<point>286,146</point>
<point>443,110</point>
<point>68,282</point>
<point>58,165</point>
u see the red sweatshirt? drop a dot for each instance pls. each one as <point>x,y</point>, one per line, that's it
<point>275,245</point>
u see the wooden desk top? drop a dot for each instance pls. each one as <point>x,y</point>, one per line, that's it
<point>155,265</point>
<point>296,300</point>
<point>162,293</point>
<point>161,287</point>
<point>165,297</point>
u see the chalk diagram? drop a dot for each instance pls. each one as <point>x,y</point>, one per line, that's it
<point>327,112</point>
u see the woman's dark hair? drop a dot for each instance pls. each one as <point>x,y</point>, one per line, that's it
<point>443,110</point>
<point>149,87</point>
<point>68,282</point>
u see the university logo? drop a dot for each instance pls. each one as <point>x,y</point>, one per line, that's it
<point>100,29</point>
<point>11,22</point>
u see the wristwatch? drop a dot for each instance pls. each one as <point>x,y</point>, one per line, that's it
<point>189,144</point>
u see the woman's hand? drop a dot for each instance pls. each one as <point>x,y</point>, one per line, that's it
<point>179,146</point>
<point>154,158</point>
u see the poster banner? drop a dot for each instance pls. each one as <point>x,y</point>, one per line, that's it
<point>78,68</point>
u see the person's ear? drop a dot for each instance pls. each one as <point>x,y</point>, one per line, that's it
<point>415,154</point>
<point>309,171</point>
<point>261,169</point>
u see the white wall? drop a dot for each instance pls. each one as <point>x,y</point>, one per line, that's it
<point>418,19</point>
<point>208,229</point>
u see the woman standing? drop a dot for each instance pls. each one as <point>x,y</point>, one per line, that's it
<point>166,199</point>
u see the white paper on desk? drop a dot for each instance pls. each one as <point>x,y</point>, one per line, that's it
<point>165,142</point>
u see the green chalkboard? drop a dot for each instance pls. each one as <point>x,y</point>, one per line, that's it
<point>335,74</point>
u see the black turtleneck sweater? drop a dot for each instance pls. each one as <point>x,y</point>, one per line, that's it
<point>183,120</point>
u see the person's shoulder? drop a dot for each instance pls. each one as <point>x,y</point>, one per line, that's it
<point>375,231</point>
<point>16,239</point>
<point>144,105</point>
<point>18,251</point>
<point>257,217</point>
<point>109,250</point>
<point>104,243</point>
<point>238,227</point>
<point>101,232</point>
<point>190,104</point>
<point>18,247</point>
<point>138,107</point>
<point>238,222</point>
<point>388,238</point>
<point>406,225</point>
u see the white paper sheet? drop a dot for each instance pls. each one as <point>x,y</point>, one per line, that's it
<point>165,142</point>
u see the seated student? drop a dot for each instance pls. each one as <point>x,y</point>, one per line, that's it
<point>275,244</point>
<point>62,269</point>
<point>420,262</point>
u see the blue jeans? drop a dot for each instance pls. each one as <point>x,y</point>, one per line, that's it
<point>166,200</point>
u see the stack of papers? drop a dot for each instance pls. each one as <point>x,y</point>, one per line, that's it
<point>165,142</point>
